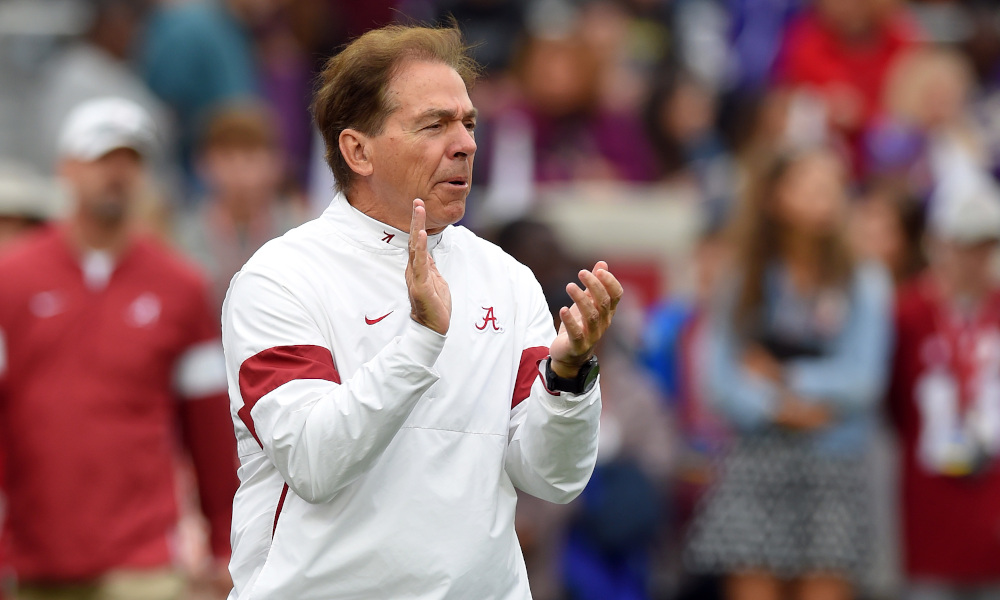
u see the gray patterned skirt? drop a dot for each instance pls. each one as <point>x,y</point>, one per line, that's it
<point>781,507</point>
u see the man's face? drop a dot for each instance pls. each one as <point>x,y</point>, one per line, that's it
<point>248,175</point>
<point>427,147</point>
<point>968,267</point>
<point>105,187</point>
<point>852,17</point>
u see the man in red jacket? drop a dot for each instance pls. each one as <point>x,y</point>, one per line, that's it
<point>840,52</point>
<point>107,343</point>
<point>945,401</point>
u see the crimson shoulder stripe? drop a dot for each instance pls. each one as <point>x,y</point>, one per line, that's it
<point>270,369</point>
<point>527,372</point>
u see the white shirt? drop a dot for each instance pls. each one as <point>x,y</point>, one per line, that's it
<point>392,451</point>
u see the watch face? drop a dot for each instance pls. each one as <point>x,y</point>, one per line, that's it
<point>581,384</point>
<point>592,373</point>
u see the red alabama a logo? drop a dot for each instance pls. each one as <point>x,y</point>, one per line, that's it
<point>388,237</point>
<point>489,319</point>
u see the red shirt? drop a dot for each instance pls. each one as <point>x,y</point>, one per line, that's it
<point>816,56</point>
<point>951,525</point>
<point>90,406</point>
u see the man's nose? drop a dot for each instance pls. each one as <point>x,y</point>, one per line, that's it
<point>464,144</point>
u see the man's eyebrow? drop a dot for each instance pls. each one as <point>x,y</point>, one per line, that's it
<point>446,113</point>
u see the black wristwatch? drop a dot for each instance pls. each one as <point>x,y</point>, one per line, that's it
<point>584,381</point>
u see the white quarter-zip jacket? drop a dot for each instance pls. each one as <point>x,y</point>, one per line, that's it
<point>379,458</point>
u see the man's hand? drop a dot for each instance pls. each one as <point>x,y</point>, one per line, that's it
<point>210,582</point>
<point>584,323</point>
<point>430,298</point>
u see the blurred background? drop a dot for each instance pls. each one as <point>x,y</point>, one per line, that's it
<point>770,179</point>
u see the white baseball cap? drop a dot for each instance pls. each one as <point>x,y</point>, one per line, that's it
<point>966,209</point>
<point>101,125</point>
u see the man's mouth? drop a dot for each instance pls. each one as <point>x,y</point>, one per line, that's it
<point>456,182</point>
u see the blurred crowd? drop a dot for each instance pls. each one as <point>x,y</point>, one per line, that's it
<point>811,410</point>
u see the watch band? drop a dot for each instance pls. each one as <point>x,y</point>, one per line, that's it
<point>584,381</point>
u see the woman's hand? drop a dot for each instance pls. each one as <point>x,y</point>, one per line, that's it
<point>795,413</point>
<point>759,362</point>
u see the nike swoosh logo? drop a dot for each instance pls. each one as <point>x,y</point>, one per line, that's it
<point>373,321</point>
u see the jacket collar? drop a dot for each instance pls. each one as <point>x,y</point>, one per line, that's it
<point>368,231</point>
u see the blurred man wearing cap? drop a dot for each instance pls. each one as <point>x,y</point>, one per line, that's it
<point>107,339</point>
<point>945,400</point>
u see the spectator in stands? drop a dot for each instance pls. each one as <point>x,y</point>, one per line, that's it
<point>27,201</point>
<point>681,121</point>
<point>107,342</point>
<point>96,65</point>
<point>945,400</point>
<point>929,124</point>
<point>840,51</point>
<point>795,359</point>
<point>569,134</point>
<point>764,126</point>
<point>241,163</point>
<point>198,55</point>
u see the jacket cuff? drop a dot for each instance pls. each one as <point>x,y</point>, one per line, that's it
<point>422,344</point>
<point>561,402</point>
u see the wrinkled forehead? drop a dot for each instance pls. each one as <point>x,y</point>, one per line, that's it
<point>421,87</point>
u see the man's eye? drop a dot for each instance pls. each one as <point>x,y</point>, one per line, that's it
<point>433,126</point>
<point>470,126</point>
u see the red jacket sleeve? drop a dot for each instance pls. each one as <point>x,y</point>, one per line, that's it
<point>205,421</point>
<point>208,433</point>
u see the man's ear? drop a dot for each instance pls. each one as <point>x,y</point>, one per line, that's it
<point>356,150</point>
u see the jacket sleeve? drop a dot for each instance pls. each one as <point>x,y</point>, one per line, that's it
<point>552,436</point>
<point>203,413</point>
<point>746,400</point>
<point>320,433</point>
<point>853,376</point>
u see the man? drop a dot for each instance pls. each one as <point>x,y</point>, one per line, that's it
<point>841,51</point>
<point>242,164</point>
<point>945,400</point>
<point>196,56</point>
<point>384,365</point>
<point>107,339</point>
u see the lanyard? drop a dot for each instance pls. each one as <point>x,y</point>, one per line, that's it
<point>961,335</point>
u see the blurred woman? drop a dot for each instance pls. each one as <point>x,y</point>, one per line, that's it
<point>795,359</point>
